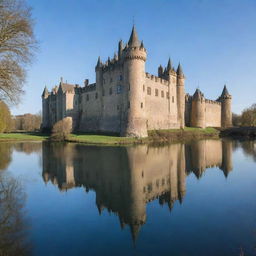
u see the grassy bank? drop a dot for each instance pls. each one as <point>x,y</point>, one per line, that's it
<point>23,137</point>
<point>154,136</point>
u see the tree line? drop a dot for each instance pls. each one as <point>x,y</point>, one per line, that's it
<point>247,118</point>
<point>26,122</point>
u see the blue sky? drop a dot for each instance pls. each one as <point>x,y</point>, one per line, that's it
<point>215,41</point>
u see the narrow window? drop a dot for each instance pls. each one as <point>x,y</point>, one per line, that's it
<point>111,79</point>
<point>128,104</point>
<point>143,87</point>
<point>149,91</point>
<point>141,104</point>
<point>117,107</point>
<point>103,92</point>
<point>120,77</point>
<point>87,97</point>
<point>118,89</point>
<point>110,90</point>
<point>156,92</point>
<point>96,95</point>
<point>162,94</point>
<point>172,99</point>
<point>167,95</point>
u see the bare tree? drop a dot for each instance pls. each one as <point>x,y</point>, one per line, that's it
<point>17,45</point>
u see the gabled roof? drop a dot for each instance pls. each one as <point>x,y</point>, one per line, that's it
<point>66,87</point>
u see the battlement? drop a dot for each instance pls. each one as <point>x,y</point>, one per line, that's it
<point>212,102</point>
<point>157,79</point>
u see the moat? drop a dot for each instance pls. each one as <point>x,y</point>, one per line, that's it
<point>178,199</point>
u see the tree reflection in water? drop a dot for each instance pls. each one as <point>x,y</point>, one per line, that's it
<point>13,227</point>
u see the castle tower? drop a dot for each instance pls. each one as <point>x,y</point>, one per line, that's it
<point>198,110</point>
<point>133,120</point>
<point>45,108</point>
<point>226,114</point>
<point>180,96</point>
<point>99,84</point>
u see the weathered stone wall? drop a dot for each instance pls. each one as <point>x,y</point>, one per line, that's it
<point>212,113</point>
<point>161,103</point>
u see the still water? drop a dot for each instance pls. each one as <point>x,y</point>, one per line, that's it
<point>179,199</point>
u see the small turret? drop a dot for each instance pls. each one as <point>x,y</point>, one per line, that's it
<point>226,114</point>
<point>169,65</point>
<point>198,110</point>
<point>120,49</point>
<point>160,71</point>
<point>45,93</point>
<point>99,64</point>
<point>180,71</point>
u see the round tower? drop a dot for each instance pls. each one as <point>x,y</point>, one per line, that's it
<point>180,96</point>
<point>226,113</point>
<point>198,110</point>
<point>45,109</point>
<point>133,119</point>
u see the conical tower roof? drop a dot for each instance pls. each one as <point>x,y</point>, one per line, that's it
<point>45,92</point>
<point>169,65</point>
<point>134,39</point>
<point>198,95</point>
<point>179,70</point>
<point>225,92</point>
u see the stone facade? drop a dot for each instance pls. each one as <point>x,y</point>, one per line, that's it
<point>128,101</point>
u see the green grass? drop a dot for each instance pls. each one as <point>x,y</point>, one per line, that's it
<point>22,137</point>
<point>154,135</point>
<point>102,139</point>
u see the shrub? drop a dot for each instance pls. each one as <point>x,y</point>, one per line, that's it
<point>62,129</point>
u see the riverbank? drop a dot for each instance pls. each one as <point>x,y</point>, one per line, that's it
<point>239,132</point>
<point>23,136</point>
<point>156,136</point>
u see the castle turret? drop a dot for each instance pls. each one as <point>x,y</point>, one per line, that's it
<point>99,85</point>
<point>180,96</point>
<point>160,71</point>
<point>120,49</point>
<point>198,110</point>
<point>45,108</point>
<point>226,114</point>
<point>133,119</point>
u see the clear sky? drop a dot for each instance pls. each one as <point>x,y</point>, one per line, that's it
<point>215,41</point>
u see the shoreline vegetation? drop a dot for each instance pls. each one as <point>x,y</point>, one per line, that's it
<point>155,136</point>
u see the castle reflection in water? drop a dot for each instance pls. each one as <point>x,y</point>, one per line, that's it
<point>125,179</point>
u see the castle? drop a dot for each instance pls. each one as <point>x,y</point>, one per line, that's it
<point>129,101</point>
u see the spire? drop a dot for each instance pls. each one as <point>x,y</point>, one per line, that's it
<point>225,92</point>
<point>98,63</point>
<point>120,49</point>
<point>169,65</point>
<point>134,40</point>
<point>142,45</point>
<point>179,70</point>
<point>45,92</point>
